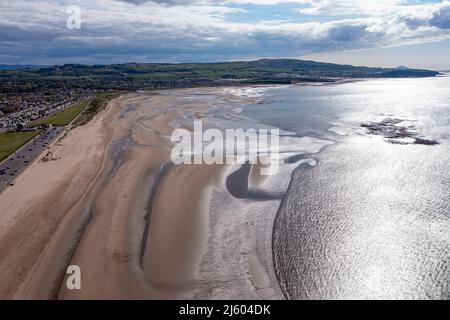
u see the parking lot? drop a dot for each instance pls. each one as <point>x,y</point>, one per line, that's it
<point>16,163</point>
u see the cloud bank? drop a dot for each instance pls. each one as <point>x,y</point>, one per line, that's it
<point>34,31</point>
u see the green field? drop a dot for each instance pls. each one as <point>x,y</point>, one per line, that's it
<point>98,103</point>
<point>62,118</point>
<point>160,75</point>
<point>11,141</point>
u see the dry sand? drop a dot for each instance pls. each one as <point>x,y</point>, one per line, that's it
<point>138,227</point>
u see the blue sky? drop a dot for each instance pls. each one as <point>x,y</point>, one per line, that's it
<point>376,33</point>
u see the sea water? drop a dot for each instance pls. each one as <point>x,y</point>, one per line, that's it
<point>371,220</point>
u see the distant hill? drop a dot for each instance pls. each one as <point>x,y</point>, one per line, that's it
<point>264,70</point>
<point>19,67</point>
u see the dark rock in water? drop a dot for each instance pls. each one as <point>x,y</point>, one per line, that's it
<point>390,129</point>
<point>425,142</point>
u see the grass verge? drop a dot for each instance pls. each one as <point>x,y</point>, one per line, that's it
<point>11,141</point>
<point>64,117</point>
<point>98,103</point>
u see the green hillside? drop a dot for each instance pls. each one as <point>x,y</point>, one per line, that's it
<point>249,70</point>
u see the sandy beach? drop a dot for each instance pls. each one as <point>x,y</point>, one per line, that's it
<point>110,201</point>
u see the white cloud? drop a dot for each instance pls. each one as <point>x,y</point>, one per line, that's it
<point>146,30</point>
<point>346,7</point>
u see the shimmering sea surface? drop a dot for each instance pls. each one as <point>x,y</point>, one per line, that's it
<point>372,219</point>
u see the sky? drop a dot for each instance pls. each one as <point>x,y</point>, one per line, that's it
<point>385,33</point>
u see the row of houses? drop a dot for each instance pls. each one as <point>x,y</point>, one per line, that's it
<point>21,118</point>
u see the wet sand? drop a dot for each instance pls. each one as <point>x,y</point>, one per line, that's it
<point>138,227</point>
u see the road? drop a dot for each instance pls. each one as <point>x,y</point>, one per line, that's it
<point>16,163</point>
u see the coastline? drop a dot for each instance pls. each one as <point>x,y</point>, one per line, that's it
<point>36,208</point>
<point>89,208</point>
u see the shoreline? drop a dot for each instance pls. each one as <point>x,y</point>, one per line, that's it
<point>102,226</point>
